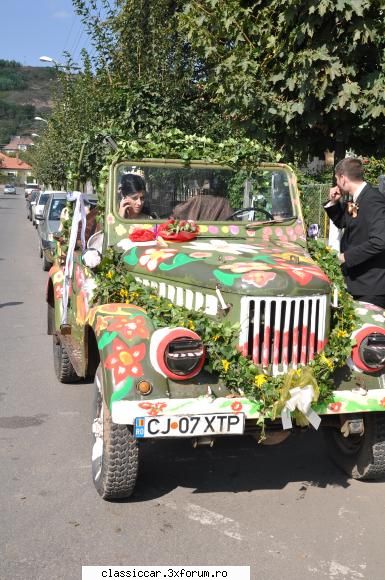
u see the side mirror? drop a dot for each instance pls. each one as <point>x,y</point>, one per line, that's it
<point>313,231</point>
<point>91,258</point>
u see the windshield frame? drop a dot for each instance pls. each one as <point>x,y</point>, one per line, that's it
<point>112,206</point>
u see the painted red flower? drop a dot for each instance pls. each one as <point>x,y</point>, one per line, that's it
<point>382,402</point>
<point>102,323</point>
<point>335,407</point>
<point>258,279</point>
<point>124,361</point>
<point>236,406</point>
<point>153,409</point>
<point>301,273</point>
<point>129,328</point>
<point>58,291</point>
<point>79,276</point>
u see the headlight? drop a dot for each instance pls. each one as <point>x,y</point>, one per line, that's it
<point>177,353</point>
<point>369,353</point>
<point>372,350</point>
<point>50,237</point>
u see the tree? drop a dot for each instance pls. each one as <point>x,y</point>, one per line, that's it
<point>311,74</point>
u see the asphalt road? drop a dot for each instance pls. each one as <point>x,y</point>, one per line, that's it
<point>286,510</point>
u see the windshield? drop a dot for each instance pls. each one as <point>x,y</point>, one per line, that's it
<point>56,208</point>
<point>202,194</point>
<point>43,198</point>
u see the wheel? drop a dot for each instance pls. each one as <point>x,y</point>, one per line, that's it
<point>46,265</point>
<point>360,456</point>
<point>64,370</point>
<point>115,456</point>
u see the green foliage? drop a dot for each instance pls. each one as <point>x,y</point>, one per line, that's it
<point>312,74</point>
<point>373,169</point>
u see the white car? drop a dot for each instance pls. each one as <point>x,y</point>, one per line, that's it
<point>29,188</point>
<point>38,209</point>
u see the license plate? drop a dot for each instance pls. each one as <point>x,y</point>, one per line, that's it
<point>189,425</point>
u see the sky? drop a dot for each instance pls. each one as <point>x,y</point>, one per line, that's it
<point>33,28</point>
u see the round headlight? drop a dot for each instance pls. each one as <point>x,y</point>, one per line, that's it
<point>177,353</point>
<point>184,355</point>
<point>369,352</point>
<point>372,350</point>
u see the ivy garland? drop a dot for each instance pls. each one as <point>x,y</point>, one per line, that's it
<point>239,373</point>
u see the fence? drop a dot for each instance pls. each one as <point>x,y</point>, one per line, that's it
<point>313,197</point>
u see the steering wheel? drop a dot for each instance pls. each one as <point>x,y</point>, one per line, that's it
<point>239,212</point>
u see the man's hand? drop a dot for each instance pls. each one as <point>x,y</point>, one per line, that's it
<point>335,194</point>
<point>341,258</point>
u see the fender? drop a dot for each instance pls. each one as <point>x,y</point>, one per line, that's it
<point>54,291</point>
<point>122,334</point>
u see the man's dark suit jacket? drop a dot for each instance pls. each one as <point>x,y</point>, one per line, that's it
<point>363,242</point>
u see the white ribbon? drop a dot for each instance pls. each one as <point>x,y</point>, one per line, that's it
<point>79,215</point>
<point>301,399</point>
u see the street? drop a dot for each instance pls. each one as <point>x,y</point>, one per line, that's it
<point>286,510</point>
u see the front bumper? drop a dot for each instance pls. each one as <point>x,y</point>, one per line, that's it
<point>355,401</point>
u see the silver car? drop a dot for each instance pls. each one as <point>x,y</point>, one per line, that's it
<point>38,209</point>
<point>48,224</point>
<point>9,189</point>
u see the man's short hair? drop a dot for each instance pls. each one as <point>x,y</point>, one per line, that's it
<point>351,167</point>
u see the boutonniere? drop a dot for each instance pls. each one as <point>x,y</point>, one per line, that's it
<point>353,209</point>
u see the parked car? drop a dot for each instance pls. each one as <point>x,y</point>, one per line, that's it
<point>9,188</point>
<point>30,202</point>
<point>48,224</point>
<point>30,187</point>
<point>40,204</point>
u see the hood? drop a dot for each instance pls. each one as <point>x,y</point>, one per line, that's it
<point>240,266</point>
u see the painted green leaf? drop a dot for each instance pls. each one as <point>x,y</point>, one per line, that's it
<point>131,258</point>
<point>225,278</point>
<point>178,261</point>
<point>123,391</point>
<point>106,339</point>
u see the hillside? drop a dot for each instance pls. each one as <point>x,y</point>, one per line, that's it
<point>25,92</point>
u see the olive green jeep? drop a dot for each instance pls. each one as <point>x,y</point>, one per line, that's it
<point>229,246</point>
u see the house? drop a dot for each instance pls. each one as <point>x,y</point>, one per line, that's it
<point>18,143</point>
<point>14,168</point>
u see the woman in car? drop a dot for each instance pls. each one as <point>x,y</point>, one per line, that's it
<point>132,191</point>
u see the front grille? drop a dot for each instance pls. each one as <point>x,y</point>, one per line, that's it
<point>282,332</point>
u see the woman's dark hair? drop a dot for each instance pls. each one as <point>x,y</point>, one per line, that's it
<point>131,183</point>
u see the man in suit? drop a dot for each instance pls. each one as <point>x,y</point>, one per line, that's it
<point>359,209</point>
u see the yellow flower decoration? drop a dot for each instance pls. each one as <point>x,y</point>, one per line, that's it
<point>341,334</point>
<point>216,337</point>
<point>260,380</point>
<point>191,325</point>
<point>225,364</point>
<point>109,275</point>
<point>324,360</point>
<point>123,293</point>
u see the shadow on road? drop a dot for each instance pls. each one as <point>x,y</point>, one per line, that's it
<point>10,303</point>
<point>235,465</point>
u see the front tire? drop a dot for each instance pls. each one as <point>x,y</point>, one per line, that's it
<point>64,370</point>
<point>115,456</point>
<point>361,457</point>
